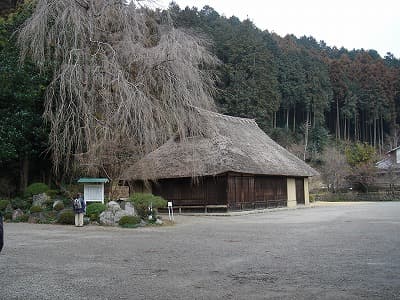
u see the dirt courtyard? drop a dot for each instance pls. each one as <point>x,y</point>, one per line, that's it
<point>327,252</point>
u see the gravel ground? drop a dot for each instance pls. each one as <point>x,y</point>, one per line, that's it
<point>337,252</point>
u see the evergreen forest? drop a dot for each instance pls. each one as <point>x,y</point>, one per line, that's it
<point>304,94</point>
<point>289,84</point>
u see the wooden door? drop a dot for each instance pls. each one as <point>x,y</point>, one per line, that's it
<point>240,189</point>
<point>300,199</point>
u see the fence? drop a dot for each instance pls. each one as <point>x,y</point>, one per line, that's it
<point>259,205</point>
<point>372,196</point>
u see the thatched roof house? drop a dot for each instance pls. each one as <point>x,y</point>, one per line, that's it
<point>234,163</point>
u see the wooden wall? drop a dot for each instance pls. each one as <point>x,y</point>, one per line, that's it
<point>238,191</point>
<point>185,191</point>
<point>253,191</point>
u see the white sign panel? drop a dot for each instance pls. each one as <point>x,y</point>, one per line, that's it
<point>94,192</point>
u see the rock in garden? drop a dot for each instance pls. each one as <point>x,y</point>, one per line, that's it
<point>40,199</point>
<point>56,202</point>
<point>17,214</point>
<point>107,218</point>
<point>159,222</point>
<point>130,209</point>
<point>114,213</point>
<point>36,217</point>
<point>119,214</point>
<point>113,206</point>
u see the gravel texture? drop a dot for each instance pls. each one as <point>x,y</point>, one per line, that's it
<point>337,252</point>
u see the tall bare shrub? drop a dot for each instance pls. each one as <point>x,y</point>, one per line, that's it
<point>335,169</point>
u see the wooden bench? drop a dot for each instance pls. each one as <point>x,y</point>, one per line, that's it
<point>205,207</point>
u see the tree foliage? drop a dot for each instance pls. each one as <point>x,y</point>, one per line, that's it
<point>23,136</point>
<point>358,154</point>
<point>361,158</point>
<point>287,82</point>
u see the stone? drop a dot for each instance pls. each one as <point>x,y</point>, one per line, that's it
<point>36,218</point>
<point>113,206</point>
<point>107,218</point>
<point>114,212</point>
<point>56,202</point>
<point>86,220</point>
<point>119,214</point>
<point>159,222</point>
<point>17,214</point>
<point>40,199</point>
<point>129,209</point>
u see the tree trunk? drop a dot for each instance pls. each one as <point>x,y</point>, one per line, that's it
<point>355,126</point>
<point>307,126</point>
<point>314,117</point>
<point>382,140</point>
<point>378,128</point>
<point>49,179</point>
<point>364,126</point>
<point>370,134</point>
<point>294,118</point>
<point>348,129</point>
<point>287,118</point>
<point>24,174</point>
<point>374,130</point>
<point>337,120</point>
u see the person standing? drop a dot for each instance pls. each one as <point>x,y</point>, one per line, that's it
<point>79,206</point>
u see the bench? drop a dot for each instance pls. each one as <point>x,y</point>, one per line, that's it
<point>205,207</point>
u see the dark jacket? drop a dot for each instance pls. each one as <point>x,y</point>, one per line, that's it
<point>1,232</point>
<point>83,206</point>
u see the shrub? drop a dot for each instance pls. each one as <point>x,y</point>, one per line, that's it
<point>8,214</point>
<point>36,209</point>
<point>4,204</point>
<point>52,193</point>
<point>129,221</point>
<point>312,198</point>
<point>48,204</point>
<point>67,201</point>
<point>142,202</point>
<point>66,217</point>
<point>48,218</point>
<point>59,206</point>
<point>20,203</point>
<point>94,210</point>
<point>23,218</point>
<point>70,191</point>
<point>35,189</point>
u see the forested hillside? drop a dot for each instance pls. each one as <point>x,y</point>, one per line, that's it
<point>300,91</point>
<point>291,84</point>
<point>23,135</point>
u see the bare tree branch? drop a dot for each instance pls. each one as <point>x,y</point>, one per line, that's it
<point>108,103</point>
<point>85,5</point>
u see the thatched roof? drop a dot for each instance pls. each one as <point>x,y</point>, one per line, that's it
<point>230,144</point>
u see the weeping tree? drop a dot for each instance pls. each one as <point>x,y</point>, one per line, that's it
<point>124,79</point>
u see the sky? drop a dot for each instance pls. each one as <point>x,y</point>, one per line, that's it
<point>353,24</point>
